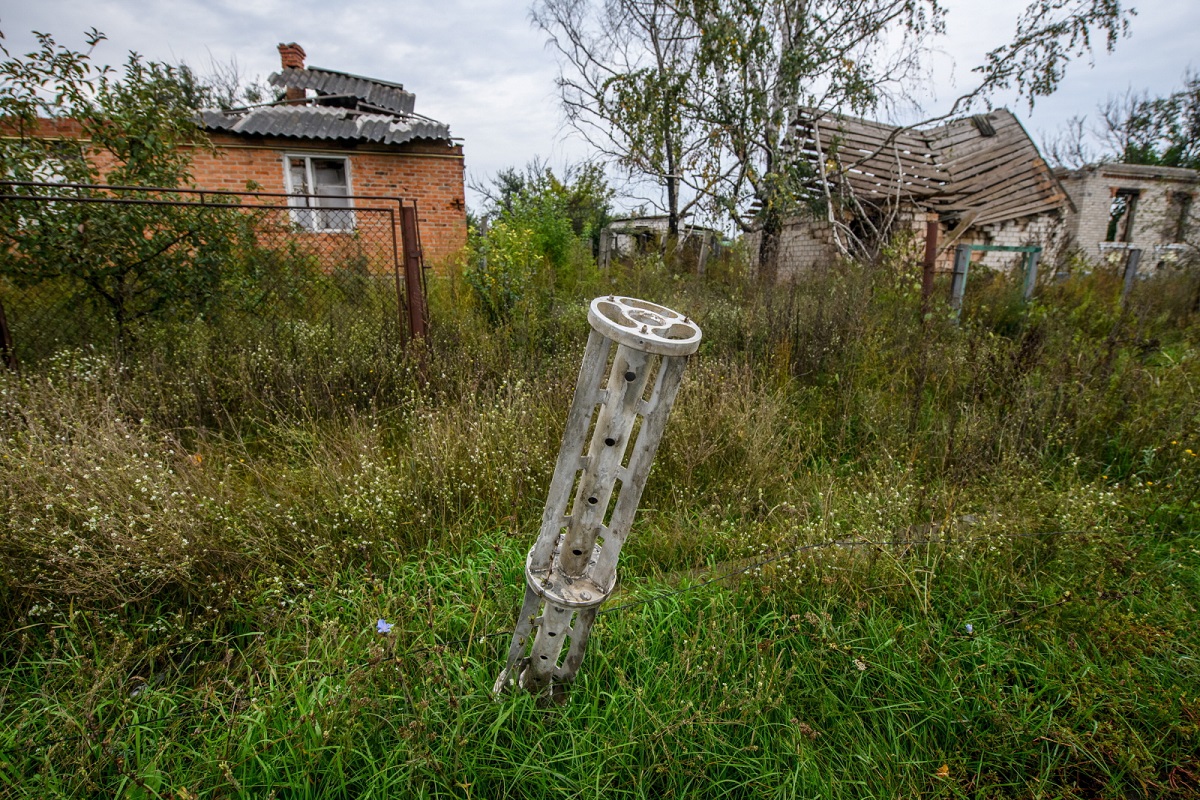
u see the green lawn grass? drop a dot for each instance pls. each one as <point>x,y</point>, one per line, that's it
<point>858,678</point>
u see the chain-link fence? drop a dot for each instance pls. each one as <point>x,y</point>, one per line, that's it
<point>118,267</point>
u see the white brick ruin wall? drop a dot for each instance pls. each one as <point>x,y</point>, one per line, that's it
<point>1047,231</point>
<point>804,244</point>
<point>1156,215</point>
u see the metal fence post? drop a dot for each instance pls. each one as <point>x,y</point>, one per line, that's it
<point>412,271</point>
<point>932,228</point>
<point>1031,267</point>
<point>572,567</point>
<point>958,282</point>
<point>1132,258</point>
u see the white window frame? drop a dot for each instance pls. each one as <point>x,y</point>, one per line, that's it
<point>299,203</point>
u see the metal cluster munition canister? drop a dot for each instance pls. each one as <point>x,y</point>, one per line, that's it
<point>627,383</point>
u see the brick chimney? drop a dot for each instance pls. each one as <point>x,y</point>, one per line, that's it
<point>291,55</point>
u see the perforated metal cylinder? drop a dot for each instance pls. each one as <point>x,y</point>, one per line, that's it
<point>627,383</point>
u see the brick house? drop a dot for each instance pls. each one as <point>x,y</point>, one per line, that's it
<point>1126,206</point>
<point>336,134</point>
<point>332,135</point>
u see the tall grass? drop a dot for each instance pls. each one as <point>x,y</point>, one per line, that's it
<point>206,534</point>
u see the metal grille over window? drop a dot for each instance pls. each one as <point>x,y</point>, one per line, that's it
<point>627,383</point>
<point>321,189</point>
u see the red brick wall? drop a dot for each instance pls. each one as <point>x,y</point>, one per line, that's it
<point>430,173</point>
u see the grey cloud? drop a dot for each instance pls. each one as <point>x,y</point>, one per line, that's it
<point>482,68</point>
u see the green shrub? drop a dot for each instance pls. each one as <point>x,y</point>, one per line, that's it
<point>538,246</point>
<point>223,509</point>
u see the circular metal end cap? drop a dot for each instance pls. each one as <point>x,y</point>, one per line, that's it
<point>559,590</point>
<point>644,326</point>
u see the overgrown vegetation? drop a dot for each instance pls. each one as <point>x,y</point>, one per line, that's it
<point>195,549</point>
<point>880,554</point>
<point>537,237</point>
<point>126,261</point>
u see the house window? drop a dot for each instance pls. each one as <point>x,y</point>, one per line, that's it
<point>55,162</point>
<point>1120,215</point>
<point>1181,212</point>
<point>322,186</point>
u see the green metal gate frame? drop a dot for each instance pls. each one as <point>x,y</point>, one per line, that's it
<point>962,260</point>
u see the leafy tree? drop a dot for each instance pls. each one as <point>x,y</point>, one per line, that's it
<point>628,72</point>
<point>135,128</point>
<point>744,71</point>
<point>1136,128</point>
<point>539,228</point>
<point>765,64</point>
<point>582,195</point>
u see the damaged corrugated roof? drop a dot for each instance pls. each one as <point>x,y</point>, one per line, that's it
<point>346,107</point>
<point>985,167</point>
<point>318,122</point>
<point>386,96</point>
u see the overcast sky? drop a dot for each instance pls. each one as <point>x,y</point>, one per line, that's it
<point>482,68</point>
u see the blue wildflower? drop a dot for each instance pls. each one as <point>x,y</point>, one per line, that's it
<point>383,626</point>
<point>968,627</point>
